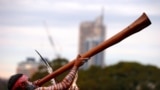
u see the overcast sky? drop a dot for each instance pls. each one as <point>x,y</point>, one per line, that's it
<point>23,25</point>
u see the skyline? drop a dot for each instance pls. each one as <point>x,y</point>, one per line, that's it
<point>22,30</point>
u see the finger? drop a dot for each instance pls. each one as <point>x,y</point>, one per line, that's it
<point>85,58</point>
<point>78,56</point>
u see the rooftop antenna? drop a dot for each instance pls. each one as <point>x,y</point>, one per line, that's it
<point>102,14</point>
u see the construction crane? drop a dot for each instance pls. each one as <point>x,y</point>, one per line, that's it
<point>55,49</point>
<point>52,43</point>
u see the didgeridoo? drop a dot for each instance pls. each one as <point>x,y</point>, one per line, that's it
<point>139,24</point>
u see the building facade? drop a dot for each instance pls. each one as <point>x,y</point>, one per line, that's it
<point>28,67</point>
<point>92,33</point>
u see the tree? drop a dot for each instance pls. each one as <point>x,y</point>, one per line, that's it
<point>55,64</point>
<point>121,76</point>
<point>3,84</point>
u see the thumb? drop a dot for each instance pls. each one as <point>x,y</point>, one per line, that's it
<point>78,56</point>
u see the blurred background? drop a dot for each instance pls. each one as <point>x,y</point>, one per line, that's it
<point>57,28</point>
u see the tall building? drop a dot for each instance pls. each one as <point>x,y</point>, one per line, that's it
<point>28,67</point>
<point>92,33</point>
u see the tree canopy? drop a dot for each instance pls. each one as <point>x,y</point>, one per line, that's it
<point>121,76</point>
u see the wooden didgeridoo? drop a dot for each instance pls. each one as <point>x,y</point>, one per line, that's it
<point>142,22</point>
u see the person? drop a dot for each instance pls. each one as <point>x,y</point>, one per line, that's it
<point>21,82</point>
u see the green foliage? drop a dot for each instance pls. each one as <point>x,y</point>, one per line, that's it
<point>122,76</point>
<point>3,84</point>
<point>55,64</point>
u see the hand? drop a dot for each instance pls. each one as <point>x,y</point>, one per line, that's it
<point>80,61</point>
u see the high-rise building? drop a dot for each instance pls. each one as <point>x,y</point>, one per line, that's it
<point>92,33</point>
<point>28,67</point>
